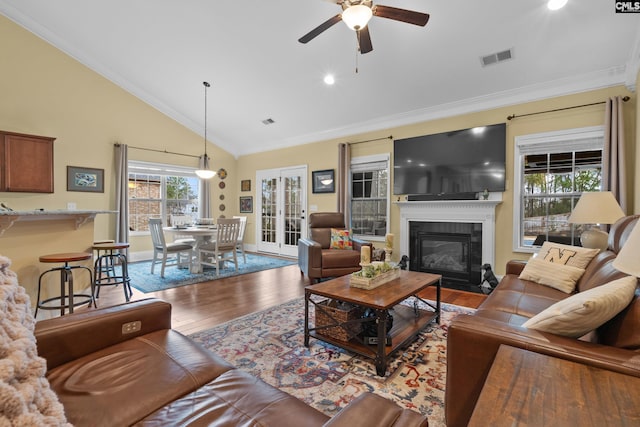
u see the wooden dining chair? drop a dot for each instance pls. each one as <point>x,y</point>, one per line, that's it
<point>215,253</point>
<point>162,249</point>
<point>240,245</point>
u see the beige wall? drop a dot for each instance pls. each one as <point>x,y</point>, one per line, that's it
<point>324,154</point>
<point>45,92</point>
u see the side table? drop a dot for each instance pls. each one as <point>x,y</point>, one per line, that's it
<point>524,388</point>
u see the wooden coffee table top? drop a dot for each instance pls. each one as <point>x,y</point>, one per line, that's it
<point>383,297</point>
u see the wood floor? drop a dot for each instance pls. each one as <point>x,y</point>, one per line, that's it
<point>207,304</point>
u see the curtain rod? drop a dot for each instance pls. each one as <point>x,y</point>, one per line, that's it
<point>370,140</point>
<point>159,151</point>
<point>513,116</point>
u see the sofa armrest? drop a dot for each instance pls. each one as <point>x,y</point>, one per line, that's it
<point>66,338</point>
<point>515,267</point>
<point>473,341</point>
<point>310,257</point>
<point>369,410</point>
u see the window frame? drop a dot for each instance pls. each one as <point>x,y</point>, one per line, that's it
<point>359,164</point>
<point>164,170</point>
<point>566,140</point>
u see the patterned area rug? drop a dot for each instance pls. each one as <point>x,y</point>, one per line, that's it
<point>143,280</point>
<point>270,345</point>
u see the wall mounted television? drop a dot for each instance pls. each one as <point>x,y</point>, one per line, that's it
<point>447,164</point>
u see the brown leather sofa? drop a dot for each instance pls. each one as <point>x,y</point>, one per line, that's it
<point>124,365</point>
<point>316,259</point>
<point>473,340</point>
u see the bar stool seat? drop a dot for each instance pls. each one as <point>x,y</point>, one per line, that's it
<point>67,299</point>
<point>104,271</point>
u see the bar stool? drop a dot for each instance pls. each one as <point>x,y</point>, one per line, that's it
<point>109,268</point>
<point>104,273</point>
<point>66,277</point>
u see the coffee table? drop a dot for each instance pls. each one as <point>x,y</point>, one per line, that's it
<point>407,321</point>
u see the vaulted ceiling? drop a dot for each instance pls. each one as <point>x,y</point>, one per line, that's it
<point>162,50</point>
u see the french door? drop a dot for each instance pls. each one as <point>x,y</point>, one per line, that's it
<point>281,206</point>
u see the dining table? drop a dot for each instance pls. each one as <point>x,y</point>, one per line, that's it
<point>201,234</point>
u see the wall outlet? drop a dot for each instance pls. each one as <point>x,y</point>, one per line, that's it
<point>313,208</point>
<point>71,206</point>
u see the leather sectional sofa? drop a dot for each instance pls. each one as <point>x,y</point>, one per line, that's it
<point>473,340</point>
<point>124,365</point>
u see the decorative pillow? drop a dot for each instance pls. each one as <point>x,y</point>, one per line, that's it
<point>558,276</point>
<point>585,311</point>
<point>575,256</point>
<point>340,239</point>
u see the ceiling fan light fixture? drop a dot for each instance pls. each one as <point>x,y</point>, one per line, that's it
<point>357,16</point>
<point>556,4</point>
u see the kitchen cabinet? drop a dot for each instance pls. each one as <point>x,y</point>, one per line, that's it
<point>26,163</point>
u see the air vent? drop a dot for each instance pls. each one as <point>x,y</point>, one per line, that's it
<point>268,121</point>
<point>494,58</point>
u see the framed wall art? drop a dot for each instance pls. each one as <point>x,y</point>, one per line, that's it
<point>85,179</point>
<point>246,204</point>
<point>245,185</point>
<point>323,182</point>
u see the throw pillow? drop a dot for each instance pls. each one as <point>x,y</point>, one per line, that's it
<point>575,256</point>
<point>340,239</point>
<point>585,311</point>
<point>558,276</point>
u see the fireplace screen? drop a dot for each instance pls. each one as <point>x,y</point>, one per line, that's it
<point>445,253</point>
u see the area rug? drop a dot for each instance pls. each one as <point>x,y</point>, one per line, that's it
<point>143,280</point>
<point>270,345</point>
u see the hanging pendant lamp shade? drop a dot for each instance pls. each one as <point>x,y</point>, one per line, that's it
<point>205,172</point>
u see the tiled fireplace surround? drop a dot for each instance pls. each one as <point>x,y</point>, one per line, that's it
<point>456,211</point>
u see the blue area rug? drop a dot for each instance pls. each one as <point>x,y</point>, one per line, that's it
<point>143,280</point>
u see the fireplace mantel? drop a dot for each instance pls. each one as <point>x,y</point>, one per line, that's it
<point>474,211</point>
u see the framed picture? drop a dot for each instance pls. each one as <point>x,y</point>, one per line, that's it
<point>245,185</point>
<point>246,204</point>
<point>85,179</point>
<point>323,181</point>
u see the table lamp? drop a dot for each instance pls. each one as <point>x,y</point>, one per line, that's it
<point>628,259</point>
<point>599,207</point>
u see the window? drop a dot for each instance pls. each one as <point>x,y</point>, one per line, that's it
<point>164,191</point>
<point>551,172</point>
<point>370,196</point>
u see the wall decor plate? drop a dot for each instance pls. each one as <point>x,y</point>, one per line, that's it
<point>222,173</point>
<point>222,207</point>
<point>222,197</point>
<point>221,184</point>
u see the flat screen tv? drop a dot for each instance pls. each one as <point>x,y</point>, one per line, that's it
<point>450,163</point>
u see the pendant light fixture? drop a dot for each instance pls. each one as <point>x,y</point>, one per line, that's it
<point>205,173</point>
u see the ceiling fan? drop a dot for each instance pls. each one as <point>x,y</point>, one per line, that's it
<point>356,15</point>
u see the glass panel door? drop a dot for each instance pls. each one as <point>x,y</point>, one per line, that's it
<point>282,207</point>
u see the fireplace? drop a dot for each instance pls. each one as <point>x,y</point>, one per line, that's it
<point>480,238</point>
<point>453,250</point>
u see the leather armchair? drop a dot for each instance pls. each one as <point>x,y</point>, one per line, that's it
<point>316,259</point>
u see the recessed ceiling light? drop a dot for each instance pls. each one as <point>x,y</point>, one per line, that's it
<point>329,79</point>
<point>556,4</point>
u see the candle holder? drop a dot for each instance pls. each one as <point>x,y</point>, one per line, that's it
<point>387,254</point>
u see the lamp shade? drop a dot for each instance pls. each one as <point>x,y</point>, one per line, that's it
<point>628,259</point>
<point>598,207</point>
<point>357,16</point>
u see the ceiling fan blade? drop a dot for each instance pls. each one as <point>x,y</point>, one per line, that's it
<point>364,40</point>
<point>403,15</point>
<point>320,29</point>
